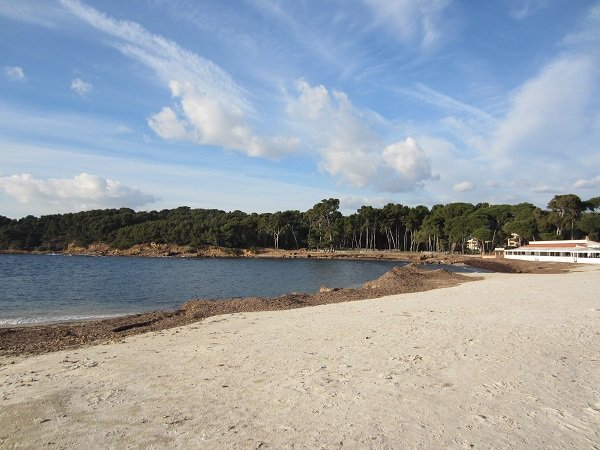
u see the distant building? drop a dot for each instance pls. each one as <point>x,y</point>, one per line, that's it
<point>514,240</point>
<point>581,251</point>
<point>499,252</point>
<point>473,244</point>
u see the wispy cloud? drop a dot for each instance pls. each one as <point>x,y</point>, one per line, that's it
<point>59,126</point>
<point>81,87</point>
<point>545,189</point>
<point>123,129</point>
<point>468,123</point>
<point>588,33</point>
<point>551,111</point>
<point>588,183</point>
<point>445,102</point>
<point>522,9</point>
<point>38,12</point>
<point>411,20</point>
<point>553,115</point>
<point>15,73</point>
<point>209,108</point>
<point>168,60</point>
<point>81,192</point>
<point>314,40</point>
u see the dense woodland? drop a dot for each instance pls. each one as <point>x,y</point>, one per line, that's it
<point>393,227</point>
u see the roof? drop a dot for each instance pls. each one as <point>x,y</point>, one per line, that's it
<point>536,245</point>
<point>573,244</point>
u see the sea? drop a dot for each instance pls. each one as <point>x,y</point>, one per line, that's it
<point>57,288</point>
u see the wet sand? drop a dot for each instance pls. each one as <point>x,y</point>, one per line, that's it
<point>510,361</point>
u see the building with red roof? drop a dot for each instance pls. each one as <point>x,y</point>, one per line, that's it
<point>581,251</point>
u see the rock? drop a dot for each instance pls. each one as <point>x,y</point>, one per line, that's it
<point>327,289</point>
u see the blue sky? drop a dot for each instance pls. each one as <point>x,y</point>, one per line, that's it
<point>265,105</point>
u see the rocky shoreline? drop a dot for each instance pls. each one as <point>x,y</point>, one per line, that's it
<point>154,250</point>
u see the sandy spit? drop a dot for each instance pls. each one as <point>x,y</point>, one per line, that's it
<point>512,361</point>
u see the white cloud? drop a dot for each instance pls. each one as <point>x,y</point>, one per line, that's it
<point>409,161</point>
<point>550,112</point>
<point>167,125</point>
<point>349,147</point>
<point>175,182</point>
<point>587,183</point>
<point>81,192</point>
<point>207,121</point>
<point>209,108</point>
<point>464,186</point>
<point>411,20</point>
<point>352,203</point>
<point>81,87</point>
<point>15,73</point>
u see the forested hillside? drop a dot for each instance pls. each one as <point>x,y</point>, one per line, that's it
<point>394,227</point>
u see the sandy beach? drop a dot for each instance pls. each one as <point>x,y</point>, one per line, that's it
<point>510,361</point>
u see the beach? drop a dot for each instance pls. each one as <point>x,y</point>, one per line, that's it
<point>507,361</point>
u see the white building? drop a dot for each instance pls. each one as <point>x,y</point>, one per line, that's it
<point>473,245</point>
<point>514,240</point>
<point>581,251</point>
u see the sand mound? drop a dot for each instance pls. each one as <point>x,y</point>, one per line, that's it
<point>410,278</point>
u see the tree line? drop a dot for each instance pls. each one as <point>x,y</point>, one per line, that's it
<point>323,227</point>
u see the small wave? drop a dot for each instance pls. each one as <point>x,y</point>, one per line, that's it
<point>56,319</point>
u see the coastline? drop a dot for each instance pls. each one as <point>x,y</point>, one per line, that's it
<point>38,338</point>
<point>186,251</point>
<point>488,262</point>
<point>509,361</point>
<point>35,339</point>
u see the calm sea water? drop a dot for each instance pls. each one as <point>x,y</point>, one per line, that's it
<point>47,288</point>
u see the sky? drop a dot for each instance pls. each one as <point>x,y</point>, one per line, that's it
<point>267,105</point>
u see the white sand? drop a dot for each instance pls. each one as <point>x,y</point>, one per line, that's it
<point>509,362</point>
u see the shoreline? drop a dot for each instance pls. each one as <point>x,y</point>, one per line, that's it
<point>487,261</point>
<point>486,267</point>
<point>152,250</point>
<point>507,362</point>
<point>34,339</point>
